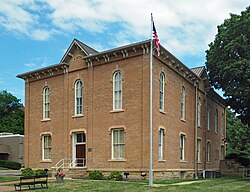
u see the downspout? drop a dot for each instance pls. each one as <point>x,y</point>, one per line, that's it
<point>205,134</point>
<point>196,133</point>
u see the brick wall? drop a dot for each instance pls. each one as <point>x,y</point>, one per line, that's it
<point>99,118</point>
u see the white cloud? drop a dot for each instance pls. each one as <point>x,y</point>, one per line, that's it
<point>29,64</point>
<point>38,62</point>
<point>184,27</point>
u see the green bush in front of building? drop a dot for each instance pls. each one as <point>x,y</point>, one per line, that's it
<point>95,175</point>
<point>10,164</point>
<point>115,176</point>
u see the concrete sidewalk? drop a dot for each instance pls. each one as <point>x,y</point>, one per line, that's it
<point>7,188</point>
<point>4,187</point>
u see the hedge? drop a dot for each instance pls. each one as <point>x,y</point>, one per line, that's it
<point>10,164</point>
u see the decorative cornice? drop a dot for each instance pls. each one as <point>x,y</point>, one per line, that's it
<point>45,72</point>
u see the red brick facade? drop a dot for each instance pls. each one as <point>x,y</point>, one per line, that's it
<point>98,118</point>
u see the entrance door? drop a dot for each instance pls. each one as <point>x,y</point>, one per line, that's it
<point>79,149</point>
<point>80,155</point>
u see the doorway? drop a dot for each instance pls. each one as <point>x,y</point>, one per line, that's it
<point>79,149</point>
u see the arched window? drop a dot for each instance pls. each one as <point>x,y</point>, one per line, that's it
<point>78,97</point>
<point>199,112</point>
<point>162,83</point>
<point>183,95</point>
<point>46,103</point>
<point>208,117</point>
<point>216,121</point>
<point>117,90</point>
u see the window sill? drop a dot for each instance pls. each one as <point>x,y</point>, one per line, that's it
<point>117,160</point>
<point>45,120</point>
<point>78,116</point>
<point>161,111</point>
<point>117,111</point>
<point>183,161</point>
<point>199,162</point>
<point>45,161</point>
<point>161,160</point>
<point>183,120</point>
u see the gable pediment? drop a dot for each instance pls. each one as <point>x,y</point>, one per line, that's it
<point>77,49</point>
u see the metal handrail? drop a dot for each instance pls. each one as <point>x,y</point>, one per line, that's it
<point>63,163</point>
<point>75,162</point>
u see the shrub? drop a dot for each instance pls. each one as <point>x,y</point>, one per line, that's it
<point>39,172</point>
<point>243,160</point>
<point>115,176</point>
<point>27,172</point>
<point>96,175</point>
<point>10,164</point>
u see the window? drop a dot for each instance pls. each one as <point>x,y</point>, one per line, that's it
<point>216,121</point>
<point>161,134</point>
<point>216,154</point>
<point>46,103</point>
<point>80,138</point>
<point>78,97</point>
<point>222,124</point>
<point>118,144</point>
<point>199,112</point>
<point>198,150</point>
<point>208,151</point>
<point>208,117</point>
<point>46,147</point>
<point>222,152</point>
<point>117,91</point>
<point>183,95</point>
<point>182,139</point>
<point>162,83</point>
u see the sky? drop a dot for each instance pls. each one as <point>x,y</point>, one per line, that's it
<point>36,33</point>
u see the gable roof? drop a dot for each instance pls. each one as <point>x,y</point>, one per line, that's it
<point>85,48</point>
<point>198,70</point>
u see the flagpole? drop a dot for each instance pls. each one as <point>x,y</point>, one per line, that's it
<point>151,108</point>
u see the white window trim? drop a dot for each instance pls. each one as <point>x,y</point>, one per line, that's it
<point>209,117</point>
<point>183,102</point>
<point>46,102</point>
<point>199,112</point>
<point>112,144</point>
<point>199,150</point>
<point>183,146</point>
<point>216,121</point>
<point>76,83</point>
<point>161,144</point>
<point>209,151</point>
<point>162,92</point>
<point>43,154</point>
<point>116,108</point>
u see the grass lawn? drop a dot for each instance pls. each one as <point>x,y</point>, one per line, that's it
<point>207,185</point>
<point>8,178</point>
<point>214,185</point>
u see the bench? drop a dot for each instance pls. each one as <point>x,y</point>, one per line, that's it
<point>32,181</point>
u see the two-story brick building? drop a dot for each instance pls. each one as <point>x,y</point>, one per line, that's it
<point>92,110</point>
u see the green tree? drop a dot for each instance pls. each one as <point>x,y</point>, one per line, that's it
<point>238,136</point>
<point>11,114</point>
<point>228,62</point>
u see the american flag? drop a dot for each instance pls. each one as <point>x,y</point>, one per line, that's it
<point>156,40</point>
